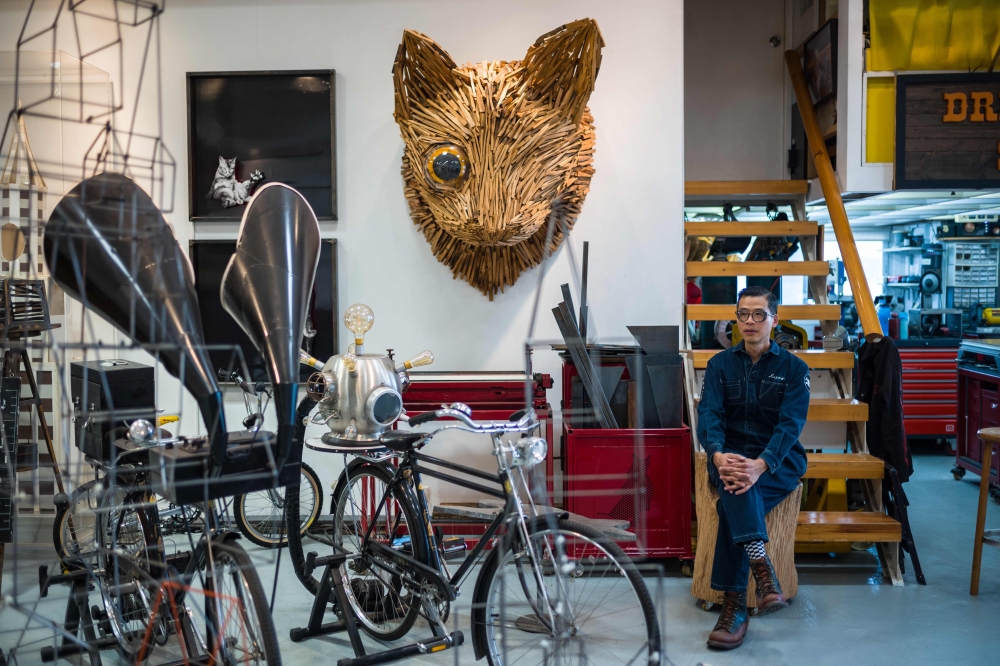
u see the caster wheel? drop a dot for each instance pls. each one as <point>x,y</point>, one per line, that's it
<point>957,472</point>
<point>687,569</point>
<point>752,610</point>
<point>707,606</point>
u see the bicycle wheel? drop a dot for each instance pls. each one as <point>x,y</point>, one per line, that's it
<point>260,516</point>
<point>598,610</point>
<point>132,559</point>
<point>74,530</point>
<point>236,622</point>
<point>384,607</point>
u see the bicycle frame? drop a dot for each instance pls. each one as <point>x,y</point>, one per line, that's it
<point>413,466</point>
<point>161,572</point>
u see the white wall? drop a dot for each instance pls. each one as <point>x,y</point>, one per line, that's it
<point>632,215</point>
<point>734,90</point>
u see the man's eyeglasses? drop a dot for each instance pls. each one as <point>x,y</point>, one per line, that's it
<point>758,315</point>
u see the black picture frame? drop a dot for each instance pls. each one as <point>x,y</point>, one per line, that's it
<point>282,123</point>
<point>821,62</point>
<point>903,84</point>
<point>209,259</point>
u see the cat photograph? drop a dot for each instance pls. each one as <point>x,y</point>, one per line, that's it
<point>228,189</point>
<point>493,151</point>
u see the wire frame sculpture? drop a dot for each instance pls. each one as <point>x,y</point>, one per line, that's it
<point>492,150</point>
<point>121,141</point>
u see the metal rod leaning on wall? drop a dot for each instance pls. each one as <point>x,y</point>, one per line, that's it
<point>834,202</point>
<point>584,367</point>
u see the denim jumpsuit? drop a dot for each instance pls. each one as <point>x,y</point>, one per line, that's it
<point>756,410</point>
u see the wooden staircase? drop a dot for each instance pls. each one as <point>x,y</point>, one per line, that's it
<point>816,530</point>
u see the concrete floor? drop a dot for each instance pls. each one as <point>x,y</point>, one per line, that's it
<point>844,612</point>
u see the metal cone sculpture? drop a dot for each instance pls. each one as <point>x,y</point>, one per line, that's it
<point>108,246</point>
<point>267,285</point>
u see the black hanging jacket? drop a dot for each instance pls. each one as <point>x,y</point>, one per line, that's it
<point>880,384</point>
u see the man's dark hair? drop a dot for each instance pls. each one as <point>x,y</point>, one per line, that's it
<point>755,291</point>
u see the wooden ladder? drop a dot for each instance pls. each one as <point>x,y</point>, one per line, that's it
<point>814,527</point>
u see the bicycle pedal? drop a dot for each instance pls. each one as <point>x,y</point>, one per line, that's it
<point>453,548</point>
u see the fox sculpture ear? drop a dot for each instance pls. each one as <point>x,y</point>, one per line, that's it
<point>562,65</point>
<point>422,70</point>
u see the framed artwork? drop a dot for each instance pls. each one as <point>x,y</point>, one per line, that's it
<point>249,128</point>
<point>947,134</point>
<point>821,62</point>
<point>209,259</point>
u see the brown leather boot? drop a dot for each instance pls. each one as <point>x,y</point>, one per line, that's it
<point>769,596</point>
<point>733,622</point>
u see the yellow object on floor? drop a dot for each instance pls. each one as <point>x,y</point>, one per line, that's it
<point>826,495</point>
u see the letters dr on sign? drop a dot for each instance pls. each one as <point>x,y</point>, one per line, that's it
<point>947,131</point>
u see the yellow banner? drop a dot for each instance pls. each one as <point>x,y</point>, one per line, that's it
<point>915,35</point>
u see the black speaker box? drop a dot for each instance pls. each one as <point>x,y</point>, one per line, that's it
<point>107,387</point>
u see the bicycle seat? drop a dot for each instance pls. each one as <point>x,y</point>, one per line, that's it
<point>401,440</point>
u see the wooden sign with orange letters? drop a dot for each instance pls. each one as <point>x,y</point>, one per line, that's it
<point>947,131</point>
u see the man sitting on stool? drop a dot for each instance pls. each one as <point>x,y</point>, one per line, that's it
<point>753,406</point>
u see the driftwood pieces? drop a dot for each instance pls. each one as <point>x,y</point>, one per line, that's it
<point>492,149</point>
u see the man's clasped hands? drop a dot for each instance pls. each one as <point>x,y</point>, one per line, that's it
<point>738,473</point>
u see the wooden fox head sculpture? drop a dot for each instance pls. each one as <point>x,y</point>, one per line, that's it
<point>494,149</point>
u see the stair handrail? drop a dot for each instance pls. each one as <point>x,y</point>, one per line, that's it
<point>834,202</point>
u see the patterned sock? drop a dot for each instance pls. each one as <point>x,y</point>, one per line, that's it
<point>755,549</point>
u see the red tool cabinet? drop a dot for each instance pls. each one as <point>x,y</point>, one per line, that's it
<point>643,476</point>
<point>979,401</point>
<point>493,396</point>
<point>930,383</point>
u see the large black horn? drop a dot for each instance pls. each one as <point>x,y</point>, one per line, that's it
<point>267,285</point>
<point>108,246</point>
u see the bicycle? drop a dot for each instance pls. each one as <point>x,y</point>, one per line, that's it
<point>548,588</point>
<point>114,539</point>
<point>260,515</point>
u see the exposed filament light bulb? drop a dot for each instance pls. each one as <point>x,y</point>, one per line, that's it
<point>359,319</point>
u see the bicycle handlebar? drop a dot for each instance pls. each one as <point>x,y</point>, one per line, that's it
<point>526,422</point>
<point>237,379</point>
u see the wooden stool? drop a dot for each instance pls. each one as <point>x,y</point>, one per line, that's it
<point>781,523</point>
<point>990,437</point>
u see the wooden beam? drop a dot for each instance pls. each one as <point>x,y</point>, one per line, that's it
<point>756,268</point>
<point>814,358</point>
<point>751,228</point>
<point>728,312</point>
<point>843,466</point>
<point>746,187</point>
<point>864,526</point>
<point>834,202</point>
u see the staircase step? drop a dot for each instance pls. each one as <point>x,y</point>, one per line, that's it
<point>814,358</point>
<point>782,228</point>
<point>746,187</point>
<point>831,409</point>
<point>843,466</point>
<point>728,312</point>
<point>837,409</point>
<point>756,268</point>
<point>864,526</point>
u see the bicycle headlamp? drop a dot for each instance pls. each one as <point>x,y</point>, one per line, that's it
<point>529,451</point>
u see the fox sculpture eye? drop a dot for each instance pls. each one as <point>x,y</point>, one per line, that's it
<point>493,150</point>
